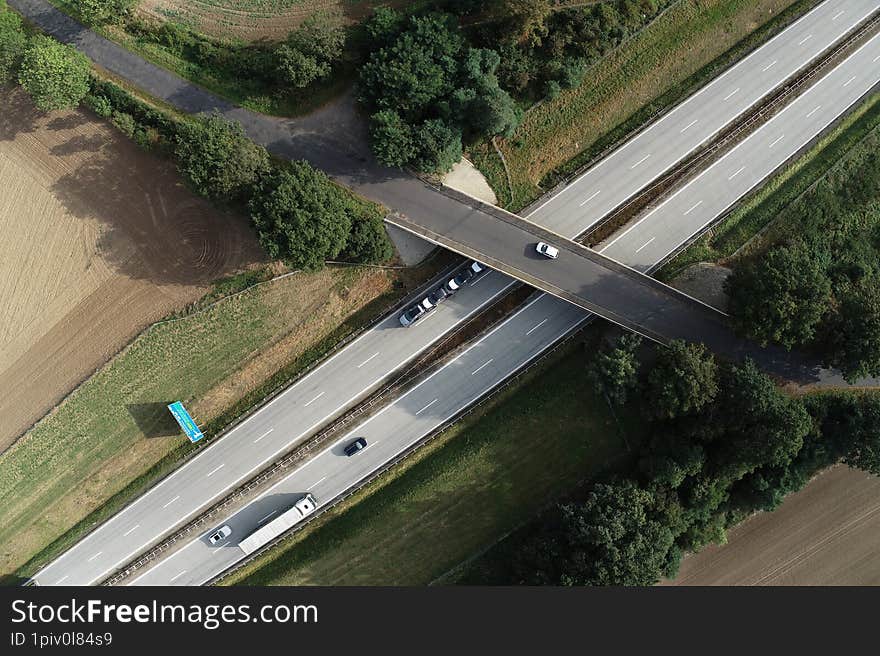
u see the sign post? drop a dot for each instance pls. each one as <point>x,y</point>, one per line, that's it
<point>186,422</point>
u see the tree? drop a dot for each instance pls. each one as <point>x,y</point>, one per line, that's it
<point>761,425</point>
<point>526,19</point>
<point>12,43</point>
<point>782,297</point>
<point>55,75</point>
<point>864,453</point>
<point>384,25</point>
<point>617,537</point>
<point>99,12</point>
<point>300,216</point>
<point>368,241</point>
<point>218,159</point>
<point>855,341</point>
<point>614,372</point>
<point>683,380</point>
<point>416,70</point>
<point>309,52</point>
<point>392,139</point>
<point>438,146</point>
<point>482,105</point>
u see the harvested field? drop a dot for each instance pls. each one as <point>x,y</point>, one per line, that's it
<point>100,239</point>
<point>826,534</point>
<point>252,20</point>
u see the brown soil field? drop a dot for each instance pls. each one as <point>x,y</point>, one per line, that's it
<point>826,534</point>
<point>100,239</point>
<point>253,20</point>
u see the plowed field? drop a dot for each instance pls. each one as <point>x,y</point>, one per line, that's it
<point>99,239</point>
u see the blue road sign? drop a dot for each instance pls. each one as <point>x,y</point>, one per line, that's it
<point>186,422</point>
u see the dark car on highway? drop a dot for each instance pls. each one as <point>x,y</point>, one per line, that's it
<point>356,447</point>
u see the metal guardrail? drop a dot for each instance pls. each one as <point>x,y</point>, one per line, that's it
<point>753,117</point>
<point>397,380</point>
<point>490,394</point>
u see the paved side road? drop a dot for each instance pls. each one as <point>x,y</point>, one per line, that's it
<point>524,335</point>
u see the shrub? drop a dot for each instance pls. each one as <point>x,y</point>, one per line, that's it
<point>310,50</point>
<point>99,12</point>
<point>300,216</point>
<point>55,75</point>
<point>12,44</point>
<point>368,241</point>
<point>218,159</point>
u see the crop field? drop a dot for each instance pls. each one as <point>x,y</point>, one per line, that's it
<point>252,20</point>
<point>664,58</point>
<point>826,534</point>
<point>99,240</point>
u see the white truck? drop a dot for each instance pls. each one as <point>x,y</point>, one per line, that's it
<point>262,536</point>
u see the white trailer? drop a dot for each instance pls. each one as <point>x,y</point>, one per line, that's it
<point>262,536</point>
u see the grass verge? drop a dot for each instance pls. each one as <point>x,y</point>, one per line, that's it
<point>479,479</point>
<point>758,211</point>
<point>112,438</point>
<point>677,54</point>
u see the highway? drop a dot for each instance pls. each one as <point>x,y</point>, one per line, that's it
<point>325,391</point>
<point>667,141</point>
<point>527,333</point>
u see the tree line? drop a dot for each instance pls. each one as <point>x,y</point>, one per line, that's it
<point>300,215</point>
<point>436,81</point>
<point>724,442</point>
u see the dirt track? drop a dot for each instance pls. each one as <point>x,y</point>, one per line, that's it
<point>826,534</point>
<point>99,240</point>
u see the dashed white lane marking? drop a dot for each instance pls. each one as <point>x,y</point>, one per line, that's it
<point>645,244</point>
<point>698,203</point>
<point>535,327</point>
<point>426,407</point>
<point>876,58</point>
<point>590,198</point>
<point>176,576</point>
<point>131,530</point>
<point>367,360</point>
<point>263,435</point>
<point>62,579</point>
<point>640,161</point>
<point>776,140</point>
<point>485,364</point>
<point>837,15</point>
<point>215,470</point>
<point>266,517</point>
<point>813,111</point>
<point>738,171</point>
<point>731,94</point>
<point>846,84</point>
<point>94,556</point>
<point>689,125</point>
<point>172,501</point>
<point>769,66</point>
<point>320,480</point>
<point>805,39</point>
<point>313,400</point>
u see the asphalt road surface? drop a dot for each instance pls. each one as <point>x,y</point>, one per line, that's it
<point>216,469</point>
<point>696,120</point>
<point>512,344</point>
